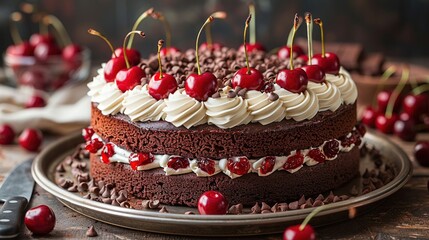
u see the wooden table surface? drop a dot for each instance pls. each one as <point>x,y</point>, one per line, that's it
<point>404,214</point>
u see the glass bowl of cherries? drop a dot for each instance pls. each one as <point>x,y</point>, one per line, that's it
<point>46,61</point>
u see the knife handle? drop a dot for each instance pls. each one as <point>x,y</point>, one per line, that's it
<point>11,216</point>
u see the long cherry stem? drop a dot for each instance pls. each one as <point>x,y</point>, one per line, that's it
<point>311,215</point>
<point>98,34</point>
<point>209,39</point>
<point>246,26</point>
<point>137,23</point>
<point>398,89</point>
<point>295,27</point>
<point>160,43</point>
<point>15,17</point>
<point>421,89</point>
<point>319,22</point>
<point>252,30</point>
<point>124,47</point>
<point>59,27</point>
<point>167,28</point>
<point>209,20</point>
<point>309,22</point>
<point>386,75</point>
<point>289,37</point>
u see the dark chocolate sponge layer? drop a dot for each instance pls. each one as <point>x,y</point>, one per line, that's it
<point>185,189</point>
<point>252,140</point>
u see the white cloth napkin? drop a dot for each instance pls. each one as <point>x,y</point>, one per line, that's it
<point>67,109</point>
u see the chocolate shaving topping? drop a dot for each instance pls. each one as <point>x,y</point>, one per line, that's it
<point>91,232</point>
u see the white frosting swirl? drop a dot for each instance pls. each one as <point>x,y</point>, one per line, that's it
<point>97,84</point>
<point>345,84</point>
<point>110,99</point>
<point>328,94</point>
<point>183,110</point>
<point>141,106</point>
<point>227,112</point>
<point>263,110</point>
<point>299,106</point>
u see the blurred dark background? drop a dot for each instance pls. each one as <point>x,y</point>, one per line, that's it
<point>396,28</point>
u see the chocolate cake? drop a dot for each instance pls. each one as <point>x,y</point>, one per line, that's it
<point>264,143</point>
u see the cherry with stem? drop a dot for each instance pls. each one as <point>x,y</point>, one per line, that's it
<point>201,85</point>
<point>209,44</point>
<point>293,79</point>
<point>167,28</point>
<point>285,51</point>
<point>252,46</point>
<point>314,72</point>
<point>329,62</point>
<point>161,84</point>
<point>20,48</point>
<point>247,77</point>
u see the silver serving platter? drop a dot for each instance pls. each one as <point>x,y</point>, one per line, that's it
<point>175,222</point>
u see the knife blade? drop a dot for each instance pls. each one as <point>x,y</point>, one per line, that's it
<point>15,192</point>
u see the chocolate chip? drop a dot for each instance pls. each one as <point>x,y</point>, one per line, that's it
<point>256,208</point>
<point>265,206</point>
<point>72,188</point>
<point>336,199</point>
<point>101,184</point>
<point>106,200</point>
<point>275,208</point>
<point>283,207</point>
<point>60,168</point>
<point>231,94</point>
<point>236,209</point>
<point>216,95</point>
<point>115,203</point>
<point>65,183</point>
<point>145,204</point>
<point>87,196</point>
<point>105,194</point>
<point>320,198</point>
<point>154,204</point>
<point>301,200</point>
<point>242,92</point>
<point>94,190</point>
<point>82,187</point>
<point>121,198</point>
<point>273,96</point>
<point>91,232</point>
<point>125,204</point>
<point>123,192</point>
<point>293,205</point>
<point>163,210</point>
<point>266,211</point>
<point>318,203</point>
<point>113,194</point>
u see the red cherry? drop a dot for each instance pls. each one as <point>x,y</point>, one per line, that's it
<point>404,116</point>
<point>169,51</point>
<point>202,86</point>
<point>71,52</point>
<point>207,165</point>
<point>385,124</point>
<point>177,162</point>
<point>314,73</point>
<point>35,101</point>
<point>87,133</point>
<point>133,55</point>
<point>421,153</point>
<point>127,79</point>
<point>140,159</point>
<point>294,161</point>
<point>160,88</point>
<point>22,49</point>
<point>30,139</point>
<point>33,78</point>
<point>316,155</point>
<point>295,233</point>
<point>330,63</point>
<point>415,105</point>
<point>214,47</point>
<point>368,116</point>
<point>37,39</point>
<point>285,52</point>
<point>405,130</point>
<point>107,152</point>
<point>251,81</point>
<point>252,47</point>
<point>268,164</point>
<point>7,134</point>
<point>239,165</point>
<point>331,148</point>
<point>212,203</point>
<point>44,51</point>
<point>383,98</point>
<point>40,220</point>
<point>113,66</point>
<point>93,145</point>
<point>294,80</point>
